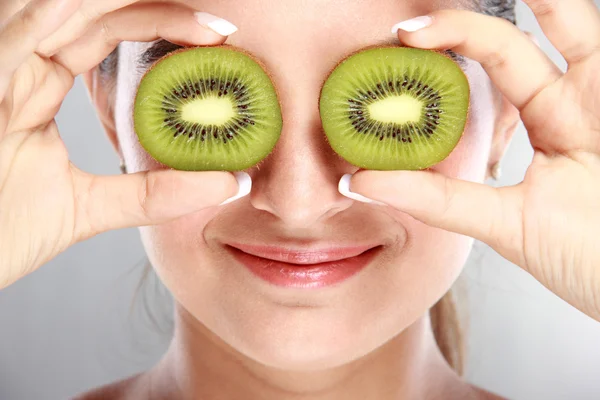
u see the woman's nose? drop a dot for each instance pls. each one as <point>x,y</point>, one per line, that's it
<point>298,182</point>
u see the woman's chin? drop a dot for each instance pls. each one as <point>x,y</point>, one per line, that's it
<point>308,339</point>
<point>304,351</point>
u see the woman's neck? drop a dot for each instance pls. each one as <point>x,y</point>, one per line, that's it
<point>199,365</point>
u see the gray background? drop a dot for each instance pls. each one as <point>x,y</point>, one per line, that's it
<point>69,327</point>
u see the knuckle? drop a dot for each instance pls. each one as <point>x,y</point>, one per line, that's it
<point>26,17</point>
<point>498,53</point>
<point>496,56</point>
<point>86,222</point>
<point>106,32</point>
<point>148,188</point>
<point>448,194</point>
<point>23,25</point>
<point>90,14</point>
<point>494,227</point>
<point>25,22</point>
<point>579,51</point>
<point>542,7</point>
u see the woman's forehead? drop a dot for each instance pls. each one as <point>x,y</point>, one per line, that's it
<point>312,25</point>
<point>321,10</point>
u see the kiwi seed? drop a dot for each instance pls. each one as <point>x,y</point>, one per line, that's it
<point>392,108</point>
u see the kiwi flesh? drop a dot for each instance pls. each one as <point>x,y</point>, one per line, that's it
<point>395,108</point>
<point>207,108</point>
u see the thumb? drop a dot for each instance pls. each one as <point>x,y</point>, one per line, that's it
<point>151,197</point>
<point>476,210</point>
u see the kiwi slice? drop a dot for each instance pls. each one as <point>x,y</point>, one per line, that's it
<point>207,108</point>
<point>393,108</point>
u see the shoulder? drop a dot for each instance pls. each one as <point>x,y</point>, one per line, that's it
<point>126,389</point>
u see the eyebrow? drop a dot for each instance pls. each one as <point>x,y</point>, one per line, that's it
<point>155,52</point>
<point>163,47</point>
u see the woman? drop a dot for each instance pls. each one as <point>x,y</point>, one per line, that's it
<point>307,336</point>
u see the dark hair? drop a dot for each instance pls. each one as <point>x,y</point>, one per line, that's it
<point>498,8</point>
<point>444,314</point>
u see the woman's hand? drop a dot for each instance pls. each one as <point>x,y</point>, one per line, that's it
<point>550,223</point>
<point>46,203</point>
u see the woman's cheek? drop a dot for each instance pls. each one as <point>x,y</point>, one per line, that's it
<point>428,265</point>
<point>177,250</point>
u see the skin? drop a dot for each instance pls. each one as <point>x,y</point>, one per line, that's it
<point>235,336</point>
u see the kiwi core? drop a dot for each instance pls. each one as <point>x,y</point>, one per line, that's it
<point>209,111</point>
<point>399,109</point>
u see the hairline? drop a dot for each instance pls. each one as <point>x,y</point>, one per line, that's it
<point>499,8</point>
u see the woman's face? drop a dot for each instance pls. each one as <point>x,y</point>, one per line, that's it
<point>295,203</point>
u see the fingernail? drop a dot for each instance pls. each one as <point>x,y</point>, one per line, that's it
<point>413,25</point>
<point>219,25</point>
<point>344,188</point>
<point>245,185</point>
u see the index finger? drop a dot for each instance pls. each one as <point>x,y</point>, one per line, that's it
<point>136,23</point>
<point>87,14</point>
<point>518,67</point>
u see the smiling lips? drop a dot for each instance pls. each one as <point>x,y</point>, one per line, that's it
<point>303,269</point>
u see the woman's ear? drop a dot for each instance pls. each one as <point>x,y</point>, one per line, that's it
<point>102,98</point>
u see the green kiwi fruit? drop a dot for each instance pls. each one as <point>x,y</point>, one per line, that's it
<point>395,108</point>
<point>207,108</point>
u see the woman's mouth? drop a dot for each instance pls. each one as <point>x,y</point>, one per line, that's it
<point>303,269</point>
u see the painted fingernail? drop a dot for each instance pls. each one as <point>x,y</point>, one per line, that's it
<point>245,185</point>
<point>344,189</point>
<point>219,25</point>
<point>413,25</point>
